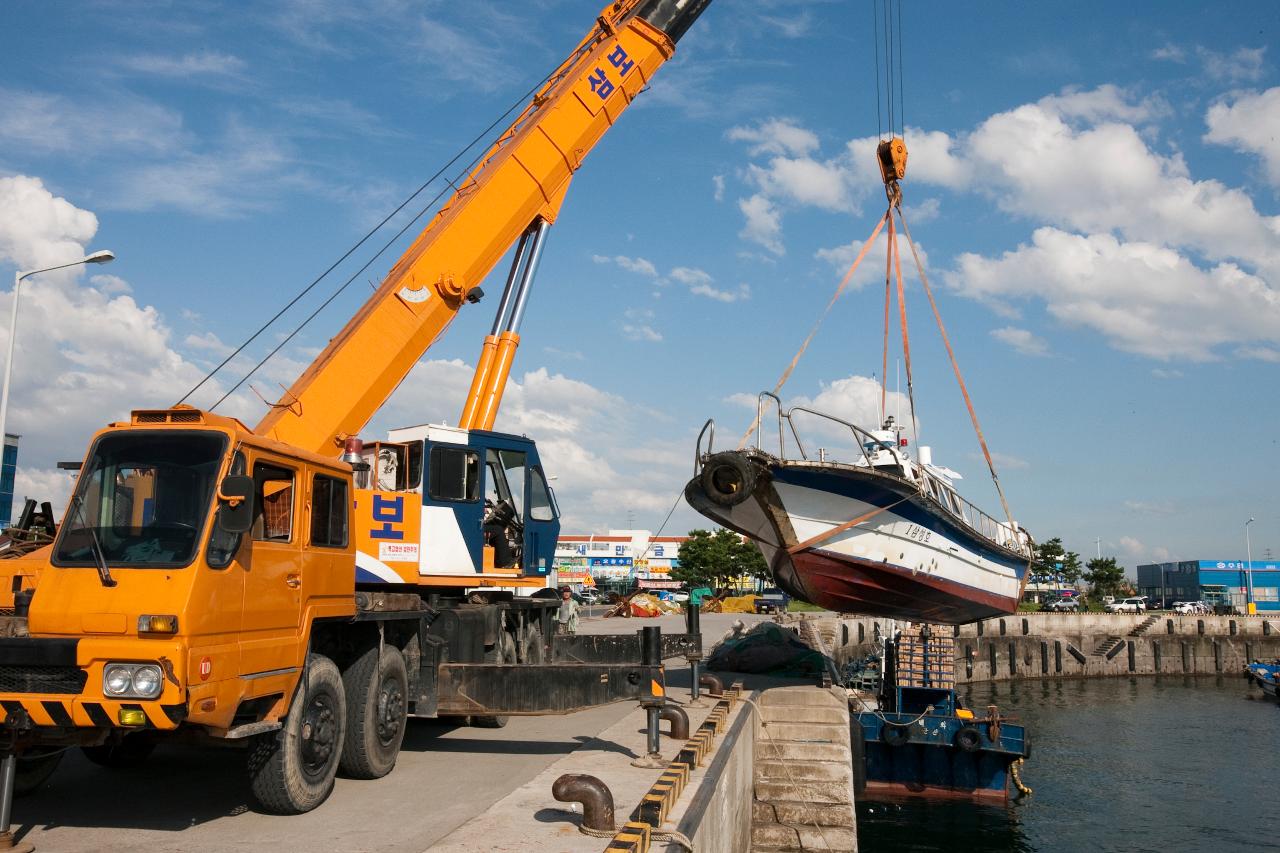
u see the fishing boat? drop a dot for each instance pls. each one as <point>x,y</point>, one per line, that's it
<point>884,533</point>
<point>1266,676</point>
<point>917,740</point>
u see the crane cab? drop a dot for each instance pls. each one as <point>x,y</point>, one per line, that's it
<point>440,506</point>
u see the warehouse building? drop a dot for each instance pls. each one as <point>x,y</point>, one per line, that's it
<point>1219,582</point>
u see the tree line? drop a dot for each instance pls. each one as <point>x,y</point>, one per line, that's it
<point>1104,575</point>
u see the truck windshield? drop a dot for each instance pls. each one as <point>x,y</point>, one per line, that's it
<point>144,496</point>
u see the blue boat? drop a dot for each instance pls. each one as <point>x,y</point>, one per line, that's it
<point>1266,676</point>
<point>917,740</point>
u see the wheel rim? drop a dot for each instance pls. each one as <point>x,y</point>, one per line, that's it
<point>319,735</point>
<point>390,710</point>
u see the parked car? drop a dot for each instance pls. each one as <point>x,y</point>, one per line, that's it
<point>1128,605</point>
<point>1061,605</point>
<point>1191,608</point>
<point>552,592</point>
<point>590,595</point>
<point>680,596</point>
<point>772,600</point>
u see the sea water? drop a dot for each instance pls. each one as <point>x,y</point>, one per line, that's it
<point>1163,764</point>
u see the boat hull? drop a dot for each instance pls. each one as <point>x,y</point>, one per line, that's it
<point>907,560</point>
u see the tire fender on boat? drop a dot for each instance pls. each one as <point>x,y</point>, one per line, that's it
<point>893,734</point>
<point>728,478</point>
<point>968,739</point>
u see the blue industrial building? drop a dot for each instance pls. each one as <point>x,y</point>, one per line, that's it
<point>1215,581</point>
<point>8,468</point>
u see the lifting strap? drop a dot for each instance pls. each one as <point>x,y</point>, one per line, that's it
<point>888,290</point>
<point>844,282</point>
<point>955,366</point>
<point>906,339</point>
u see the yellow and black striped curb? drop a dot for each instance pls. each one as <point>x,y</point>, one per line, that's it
<point>656,805</point>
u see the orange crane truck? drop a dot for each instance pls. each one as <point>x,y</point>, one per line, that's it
<point>301,591</point>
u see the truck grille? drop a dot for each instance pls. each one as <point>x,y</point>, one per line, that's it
<point>42,679</point>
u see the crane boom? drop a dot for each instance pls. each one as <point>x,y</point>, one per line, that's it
<point>516,190</point>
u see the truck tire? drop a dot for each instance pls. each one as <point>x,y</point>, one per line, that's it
<point>130,751</point>
<point>34,769</point>
<point>377,687</point>
<point>503,652</point>
<point>291,771</point>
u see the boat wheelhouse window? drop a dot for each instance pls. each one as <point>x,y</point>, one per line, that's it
<point>454,474</point>
<point>142,498</point>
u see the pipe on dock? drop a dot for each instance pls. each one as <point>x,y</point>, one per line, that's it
<point>594,795</point>
<point>679,721</point>
<point>713,684</point>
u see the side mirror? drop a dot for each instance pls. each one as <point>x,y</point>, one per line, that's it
<point>235,499</point>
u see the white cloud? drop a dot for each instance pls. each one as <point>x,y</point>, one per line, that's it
<point>1144,298</point>
<point>110,283</point>
<point>779,136</point>
<point>87,353</point>
<point>1243,64</point>
<point>635,265</point>
<point>1162,508</point>
<point>1250,122</point>
<point>1170,53</point>
<point>855,399</point>
<point>198,64</point>
<point>54,123</point>
<point>637,326</point>
<point>43,484</point>
<point>1163,373</point>
<point>763,223</point>
<point>1136,549</point>
<point>717,181</point>
<point>872,268</point>
<point>803,181</point>
<point>1021,340</point>
<point>700,283</point>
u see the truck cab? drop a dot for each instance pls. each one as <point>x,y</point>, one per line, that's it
<point>480,498</point>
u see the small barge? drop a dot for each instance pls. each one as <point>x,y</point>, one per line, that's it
<point>917,740</point>
<point>1266,676</point>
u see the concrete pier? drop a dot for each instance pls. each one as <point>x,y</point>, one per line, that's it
<point>1071,645</point>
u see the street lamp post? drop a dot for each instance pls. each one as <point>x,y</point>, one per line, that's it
<point>102,257</point>
<point>1248,568</point>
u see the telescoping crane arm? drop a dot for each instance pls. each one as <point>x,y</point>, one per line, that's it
<point>513,195</point>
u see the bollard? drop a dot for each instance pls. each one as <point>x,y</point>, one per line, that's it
<point>651,655</point>
<point>594,795</point>
<point>679,721</point>
<point>693,625</point>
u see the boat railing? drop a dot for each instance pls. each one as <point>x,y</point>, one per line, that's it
<point>709,430</point>
<point>964,511</point>
<point>861,437</point>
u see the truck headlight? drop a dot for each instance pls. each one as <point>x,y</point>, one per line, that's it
<point>132,680</point>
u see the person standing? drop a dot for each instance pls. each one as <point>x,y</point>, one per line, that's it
<point>567,615</point>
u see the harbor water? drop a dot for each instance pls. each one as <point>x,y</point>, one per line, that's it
<point>1120,764</point>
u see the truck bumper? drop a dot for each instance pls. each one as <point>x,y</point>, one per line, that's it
<point>57,683</point>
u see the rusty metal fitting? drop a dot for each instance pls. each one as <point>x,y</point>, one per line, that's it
<point>594,795</point>
<point>679,721</point>
<point>713,684</point>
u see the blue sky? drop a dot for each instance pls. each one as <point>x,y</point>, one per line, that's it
<point>1095,187</point>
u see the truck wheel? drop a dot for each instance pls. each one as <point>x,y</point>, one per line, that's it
<point>504,652</point>
<point>34,769</point>
<point>291,771</point>
<point>376,686</point>
<point>130,751</point>
<point>533,645</point>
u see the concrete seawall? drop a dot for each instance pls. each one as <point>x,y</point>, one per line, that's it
<point>1050,645</point>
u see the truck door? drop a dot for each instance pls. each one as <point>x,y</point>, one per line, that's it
<point>273,570</point>
<point>542,524</point>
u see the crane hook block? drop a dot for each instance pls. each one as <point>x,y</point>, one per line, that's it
<point>892,156</point>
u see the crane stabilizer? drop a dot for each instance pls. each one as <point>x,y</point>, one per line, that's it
<point>518,186</point>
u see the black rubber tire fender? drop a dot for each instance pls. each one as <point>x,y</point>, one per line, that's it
<point>967,739</point>
<point>895,734</point>
<point>129,751</point>
<point>34,769</point>
<point>727,478</point>
<point>377,689</point>
<point>281,777</point>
